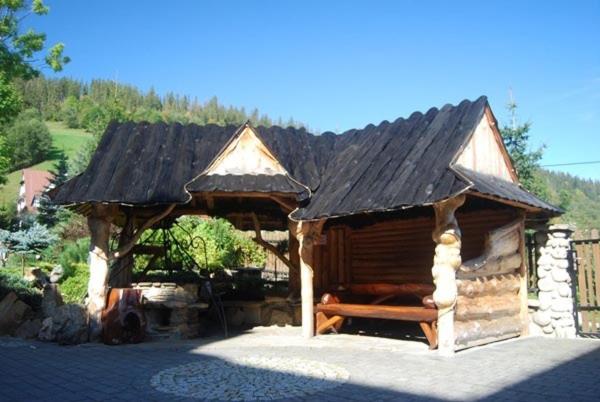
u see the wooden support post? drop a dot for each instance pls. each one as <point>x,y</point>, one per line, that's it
<point>99,224</point>
<point>446,261</point>
<point>523,281</point>
<point>307,234</point>
<point>122,268</point>
<point>294,274</point>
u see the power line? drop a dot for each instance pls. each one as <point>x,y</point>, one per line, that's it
<point>572,163</point>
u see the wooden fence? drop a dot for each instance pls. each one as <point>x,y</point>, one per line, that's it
<point>585,248</point>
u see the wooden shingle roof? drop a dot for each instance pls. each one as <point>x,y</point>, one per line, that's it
<point>394,165</point>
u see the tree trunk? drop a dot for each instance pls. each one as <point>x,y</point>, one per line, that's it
<point>99,226</point>
<point>122,269</point>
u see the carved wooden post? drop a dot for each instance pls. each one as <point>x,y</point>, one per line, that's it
<point>445,263</point>
<point>307,234</point>
<point>123,267</point>
<point>294,274</point>
<point>99,225</point>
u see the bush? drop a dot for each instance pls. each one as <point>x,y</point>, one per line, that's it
<point>74,288</point>
<point>28,140</point>
<point>12,282</point>
<point>73,253</point>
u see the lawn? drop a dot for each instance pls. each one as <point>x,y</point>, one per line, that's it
<point>64,139</point>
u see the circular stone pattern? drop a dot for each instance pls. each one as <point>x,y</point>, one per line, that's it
<point>249,379</point>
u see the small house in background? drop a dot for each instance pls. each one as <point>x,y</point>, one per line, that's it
<point>33,184</point>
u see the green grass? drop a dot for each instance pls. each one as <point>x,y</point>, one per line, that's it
<point>64,139</point>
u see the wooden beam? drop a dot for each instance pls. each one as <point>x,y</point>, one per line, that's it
<point>447,260</point>
<point>125,249</point>
<point>406,313</point>
<point>265,244</point>
<point>500,200</point>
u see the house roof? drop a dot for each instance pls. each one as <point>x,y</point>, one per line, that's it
<point>394,165</point>
<point>35,182</point>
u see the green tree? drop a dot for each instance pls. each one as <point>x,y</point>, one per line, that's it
<point>49,214</point>
<point>525,160</point>
<point>28,140</point>
<point>18,49</point>
<point>28,241</point>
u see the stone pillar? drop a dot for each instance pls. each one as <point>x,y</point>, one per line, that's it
<point>555,311</point>
<point>446,261</point>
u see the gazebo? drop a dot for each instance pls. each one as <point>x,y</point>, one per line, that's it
<point>427,208</point>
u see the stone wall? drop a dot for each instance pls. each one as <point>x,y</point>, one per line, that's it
<point>554,315</point>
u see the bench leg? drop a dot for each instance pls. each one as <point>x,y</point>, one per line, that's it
<point>430,331</point>
<point>325,324</point>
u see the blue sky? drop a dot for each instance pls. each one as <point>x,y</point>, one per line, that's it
<point>343,64</point>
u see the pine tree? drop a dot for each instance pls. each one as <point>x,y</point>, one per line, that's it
<point>525,160</point>
<point>48,212</point>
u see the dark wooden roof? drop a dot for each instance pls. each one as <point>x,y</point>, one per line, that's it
<point>394,165</point>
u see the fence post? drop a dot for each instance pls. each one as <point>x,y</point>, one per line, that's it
<point>555,294</point>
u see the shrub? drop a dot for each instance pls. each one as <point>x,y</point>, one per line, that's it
<point>28,140</point>
<point>73,253</point>
<point>12,282</point>
<point>74,287</point>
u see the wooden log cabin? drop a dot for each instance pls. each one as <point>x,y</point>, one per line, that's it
<point>418,219</point>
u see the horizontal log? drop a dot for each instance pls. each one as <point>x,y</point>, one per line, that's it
<point>490,285</point>
<point>487,307</point>
<point>406,313</point>
<point>381,289</point>
<point>472,333</point>
<point>500,265</point>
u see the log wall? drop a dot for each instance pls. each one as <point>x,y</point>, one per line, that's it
<point>490,301</point>
<point>394,251</point>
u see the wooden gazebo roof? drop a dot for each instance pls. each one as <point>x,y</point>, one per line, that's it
<point>391,166</point>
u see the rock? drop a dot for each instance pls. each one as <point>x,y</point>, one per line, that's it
<point>280,318</point>
<point>542,318</point>
<point>562,264</point>
<point>560,275</point>
<point>562,305</point>
<point>559,253</point>
<point>36,276</point>
<point>46,333</point>
<point>543,272</point>
<point>68,325</point>
<point>56,274</point>
<point>546,284</point>
<point>545,259</point>
<point>564,289</point>
<point>235,316</point>
<point>548,329</point>
<point>29,329</point>
<point>545,299</point>
<point>52,299</point>
<point>12,313</point>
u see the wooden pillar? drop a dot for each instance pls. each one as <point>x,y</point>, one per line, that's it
<point>524,281</point>
<point>294,274</point>
<point>446,261</point>
<point>99,225</point>
<point>122,269</point>
<point>307,234</point>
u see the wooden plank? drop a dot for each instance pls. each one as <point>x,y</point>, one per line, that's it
<point>407,313</point>
<point>581,282</point>
<point>596,266</point>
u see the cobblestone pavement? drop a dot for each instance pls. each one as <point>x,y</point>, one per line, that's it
<point>268,363</point>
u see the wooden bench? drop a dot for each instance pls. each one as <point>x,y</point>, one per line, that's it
<point>330,313</point>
